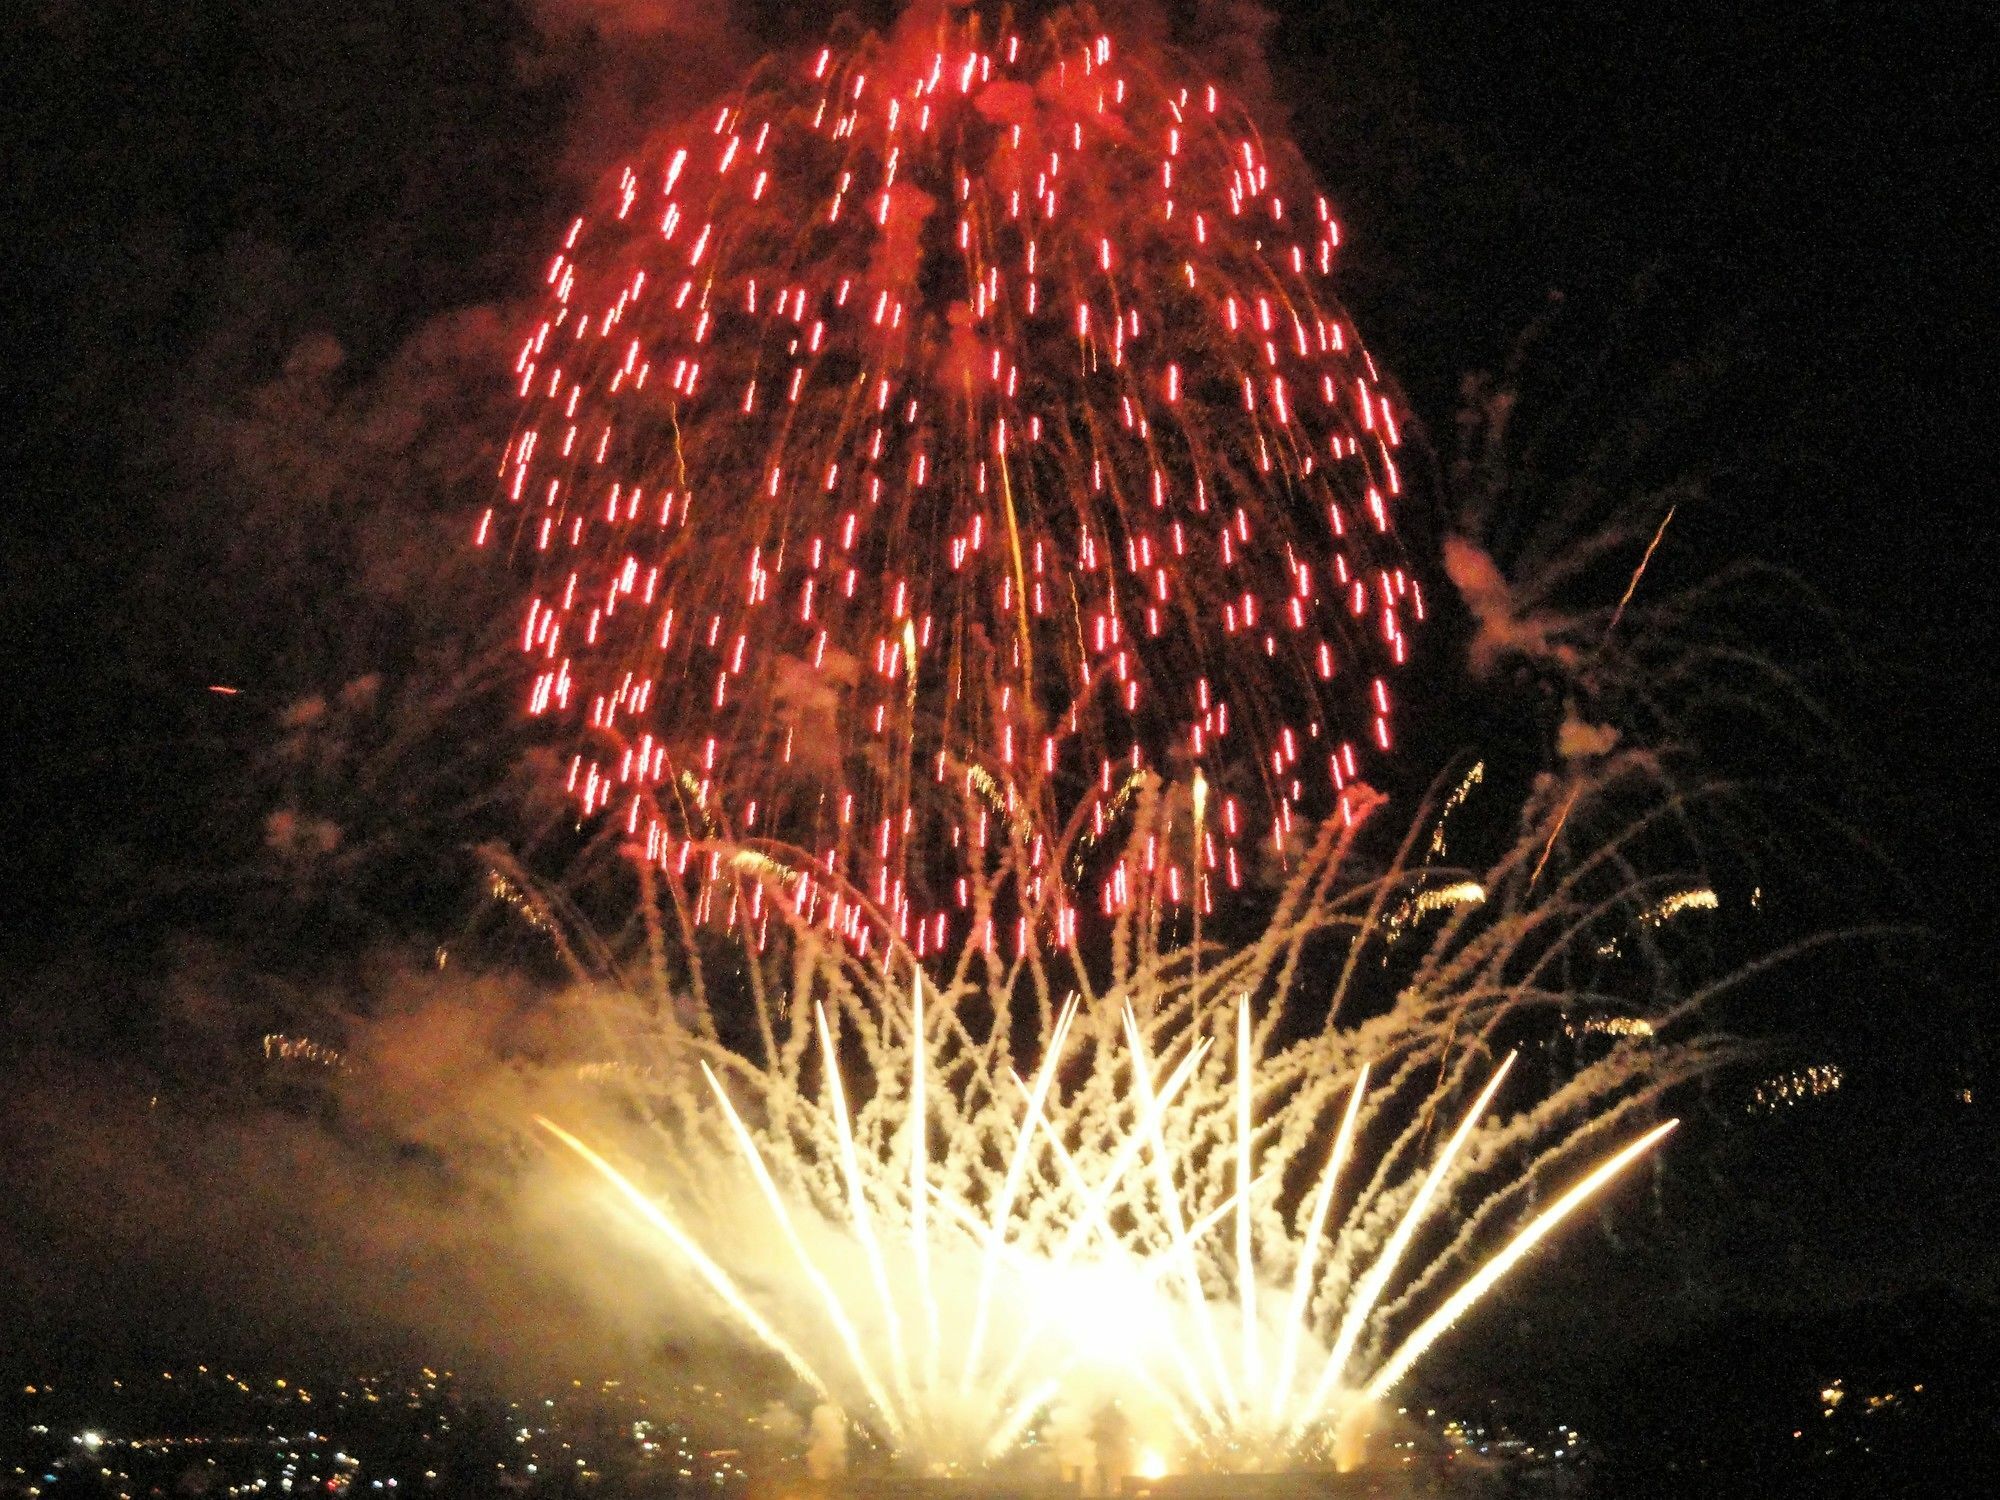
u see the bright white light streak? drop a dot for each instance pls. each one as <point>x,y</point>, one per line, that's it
<point>1246,1269</point>
<point>1003,1205</point>
<point>920,1150</point>
<point>836,1311</point>
<point>717,1279</point>
<point>1170,1206</point>
<point>1302,1278</point>
<point>857,1203</point>
<point>1481,1281</point>
<point>1369,1290</point>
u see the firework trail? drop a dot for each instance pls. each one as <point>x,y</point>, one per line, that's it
<point>953,419</point>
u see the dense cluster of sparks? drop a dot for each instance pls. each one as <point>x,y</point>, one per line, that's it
<point>962,1208</point>
<point>963,408</point>
<point>966,1324</point>
<point>1814,1081</point>
<point>281,1047</point>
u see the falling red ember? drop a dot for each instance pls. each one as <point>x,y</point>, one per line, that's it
<point>959,420</point>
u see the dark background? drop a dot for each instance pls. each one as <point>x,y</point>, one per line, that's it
<point>201,199</point>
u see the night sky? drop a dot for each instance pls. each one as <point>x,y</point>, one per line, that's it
<point>199,196</point>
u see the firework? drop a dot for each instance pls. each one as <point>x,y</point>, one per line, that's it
<point>949,428</point>
<point>1192,1191</point>
<point>963,541</point>
<point>907,1278</point>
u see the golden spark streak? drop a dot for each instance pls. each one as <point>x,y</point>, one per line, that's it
<point>717,1279</point>
<point>836,1311</point>
<point>1638,573</point>
<point>857,1200</point>
<point>1302,1279</point>
<point>1369,1291</point>
<point>1180,1251</point>
<point>1020,579</point>
<point>1200,873</point>
<point>1476,1286</point>
<point>1246,1271</point>
<point>1003,1205</point>
<point>1554,833</point>
<point>919,1167</point>
<point>1170,1205</point>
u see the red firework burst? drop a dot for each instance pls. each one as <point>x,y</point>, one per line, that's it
<point>962,407</point>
